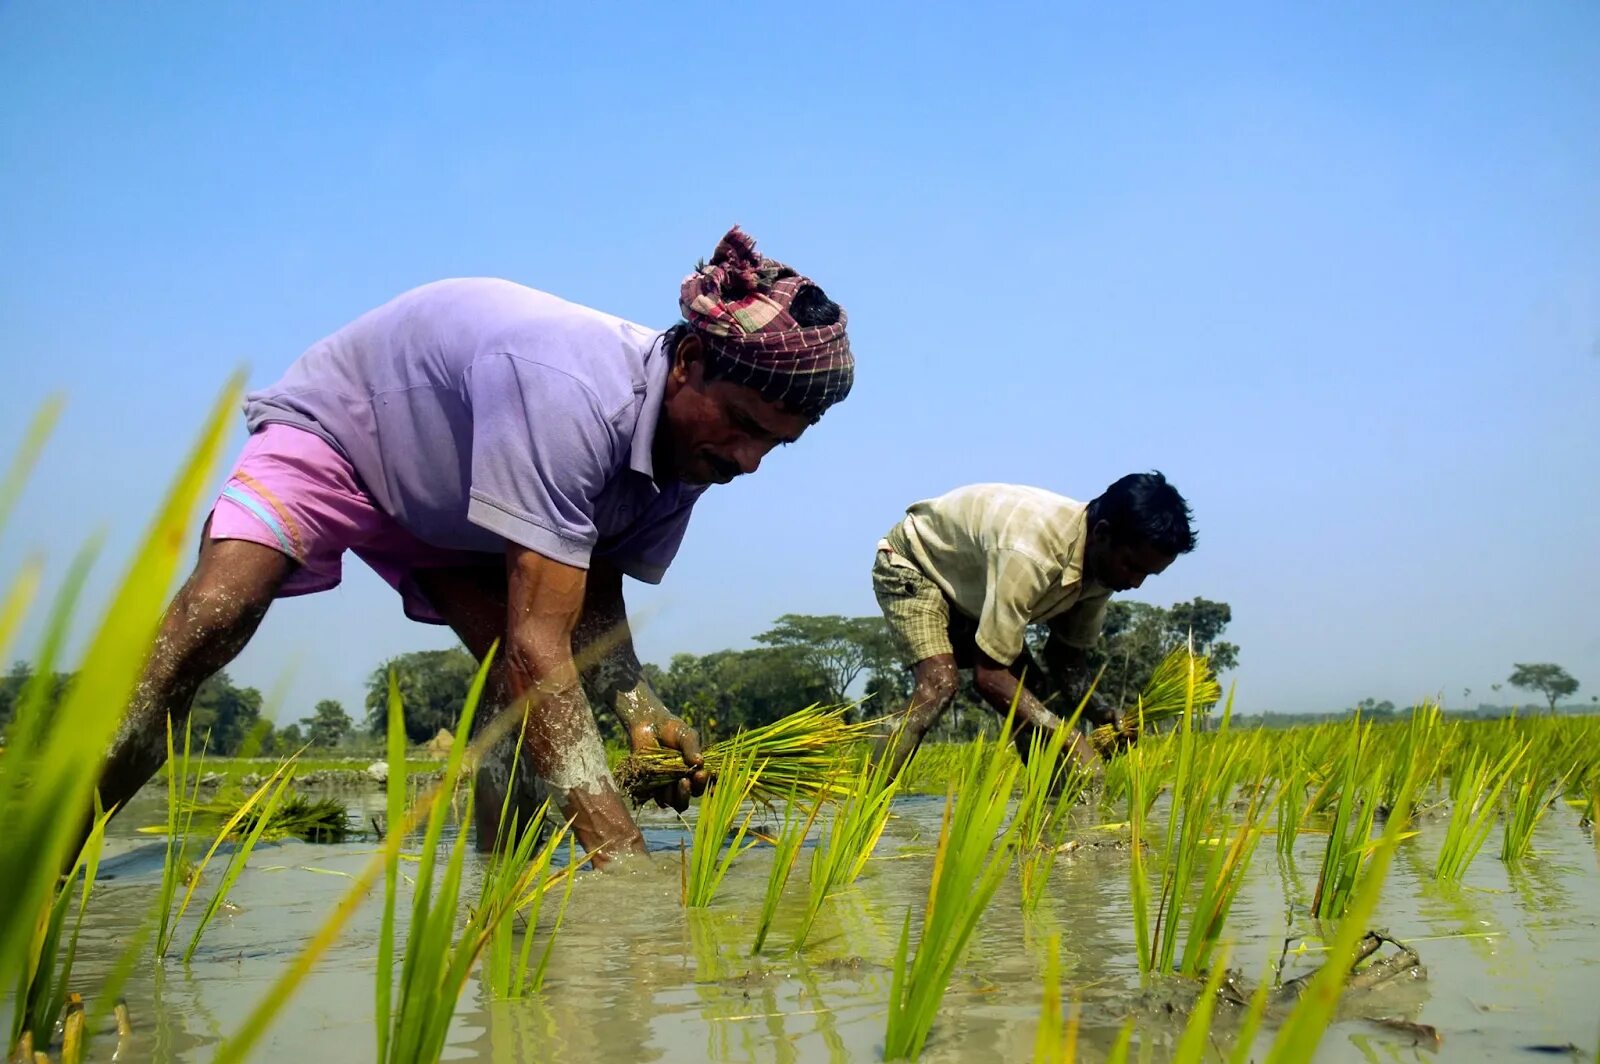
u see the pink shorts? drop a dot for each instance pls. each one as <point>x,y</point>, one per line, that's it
<point>291,491</point>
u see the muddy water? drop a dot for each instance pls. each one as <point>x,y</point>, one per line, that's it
<point>1512,960</point>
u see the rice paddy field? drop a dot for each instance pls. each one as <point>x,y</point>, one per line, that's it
<point>1505,950</point>
<point>1353,891</point>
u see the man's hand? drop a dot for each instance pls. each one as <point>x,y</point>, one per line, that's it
<point>659,727</point>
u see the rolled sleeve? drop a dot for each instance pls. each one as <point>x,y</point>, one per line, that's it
<point>542,450</point>
<point>1015,584</point>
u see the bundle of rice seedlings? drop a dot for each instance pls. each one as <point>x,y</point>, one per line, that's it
<point>297,816</point>
<point>1163,698</point>
<point>799,752</point>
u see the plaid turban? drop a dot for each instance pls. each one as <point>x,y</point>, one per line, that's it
<point>739,305</point>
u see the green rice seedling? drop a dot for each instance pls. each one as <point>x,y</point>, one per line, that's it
<point>1138,878</point>
<point>1291,804</point>
<point>1301,1031</point>
<point>1056,1042</point>
<point>1050,785</point>
<point>42,990</point>
<point>799,752</point>
<point>523,873</point>
<point>1196,1037</point>
<point>521,869</point>
<point>180,817</point>
<point>1189,825</point>
<point>786,852</point>
<point>849,839</point>
<point>1223,877</point>
<point>48,772</point>
<point>1474,797</point>
<point>412,1025</point>
<point>177,871</point>
<point>1418,746</point>
<point>296,816</point>
<point>975,850</point>
<point>264,800</point>
<point>1349,834</point>
<point>1526,802</point>
<point>1182,682</point>
<point>712,851</point>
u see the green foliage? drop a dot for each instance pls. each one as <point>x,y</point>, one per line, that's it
<point>976,847</point>
<point>51,760</point>
<point>1474,797</point>
<point>1348,836</point>
<point>433,685</point>
<point>733,690</point>
<point>1550,680</point>
<point>1298,1036</point>
<point>1536,787</point>
<point>785,853</point>
<point>1136,636</point>
<point>837,648</point>
<point>712,851</point>
<point>849,839</point>
<point>228,714</point>
<point>329,725</point>
<point>42,986</point>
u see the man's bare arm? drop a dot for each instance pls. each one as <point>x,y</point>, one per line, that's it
<point>999,686</point>
<point>562,742</point>
<point>1069,668</point>
<point>603,647</point>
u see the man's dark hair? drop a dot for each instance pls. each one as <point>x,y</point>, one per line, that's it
<point>1144,508</point>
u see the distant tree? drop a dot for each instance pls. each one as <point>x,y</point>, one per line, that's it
<point>15,684</point>
<point>838,648</point>
<point>229,714</point>
<point>1204,621</point>
<point>1372,709</point>
<point>433,689</point>
<point>287,740</point>
<point>328,725</point>
<point>1550,680</point>
<point>726,690</point>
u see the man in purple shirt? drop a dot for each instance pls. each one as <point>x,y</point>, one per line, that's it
<point>502,458</point>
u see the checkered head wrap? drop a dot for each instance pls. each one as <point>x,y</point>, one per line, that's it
<point>738,304</point>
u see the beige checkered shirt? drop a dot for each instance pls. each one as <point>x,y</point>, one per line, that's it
<point>1007,556</point>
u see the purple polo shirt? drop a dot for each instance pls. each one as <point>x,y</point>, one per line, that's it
<point>478,411</point>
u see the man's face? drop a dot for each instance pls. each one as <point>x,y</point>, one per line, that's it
<point>1123,566</point>
<point>713,431</point>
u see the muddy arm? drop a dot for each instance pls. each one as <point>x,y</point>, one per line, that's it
<point>562,743</point>
<point>602,644</point>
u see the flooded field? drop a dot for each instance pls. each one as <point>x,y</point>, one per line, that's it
<point>1512,959</point>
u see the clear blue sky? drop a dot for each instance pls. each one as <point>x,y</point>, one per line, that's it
<point>1334,268</point>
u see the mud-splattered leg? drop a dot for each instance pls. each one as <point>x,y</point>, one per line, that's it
<point>935,685</point>
<point>208,622</point>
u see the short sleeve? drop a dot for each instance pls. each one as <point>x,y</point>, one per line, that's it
<point>542,450</point>
<point>1080,626</point>
<point>1015,583</point>
<point>645,550</point>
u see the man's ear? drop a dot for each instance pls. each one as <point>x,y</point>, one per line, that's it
<point>688,358</point>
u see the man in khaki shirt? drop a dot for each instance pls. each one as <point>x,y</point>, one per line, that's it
<point>962,577</point>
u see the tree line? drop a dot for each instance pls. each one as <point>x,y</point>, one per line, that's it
<point>799,660</point>
<point>805,658</point>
